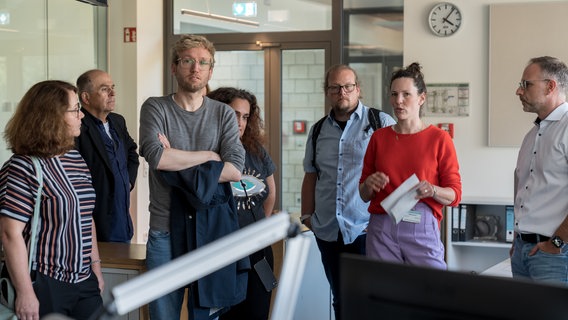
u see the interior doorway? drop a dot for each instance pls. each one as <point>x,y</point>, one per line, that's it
<point>287,79</point>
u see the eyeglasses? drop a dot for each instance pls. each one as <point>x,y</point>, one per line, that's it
<point>524,84</point>
<point>347,87</point>
<point>189,63</point>
<point>77,110</point>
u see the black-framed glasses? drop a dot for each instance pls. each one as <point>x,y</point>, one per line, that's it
<point>188,63</point>
<point>347,87</point>
<point>77,109</point>
<point>524,84</point>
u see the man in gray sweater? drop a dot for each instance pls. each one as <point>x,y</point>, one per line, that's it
<point>181,131</point>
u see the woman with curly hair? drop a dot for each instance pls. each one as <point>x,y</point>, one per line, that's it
<point>66,276</point>
<point>259,201</point>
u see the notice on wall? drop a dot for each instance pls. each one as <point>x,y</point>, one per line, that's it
<point>446,99</point>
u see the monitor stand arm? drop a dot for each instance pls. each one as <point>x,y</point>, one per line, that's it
<point>198,263</point>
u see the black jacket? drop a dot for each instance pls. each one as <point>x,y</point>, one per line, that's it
<point>91,146</point>
<point>197,193</point>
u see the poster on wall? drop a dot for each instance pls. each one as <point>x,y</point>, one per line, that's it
<point>447,99</point>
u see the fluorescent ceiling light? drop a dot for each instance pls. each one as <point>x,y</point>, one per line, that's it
<point>218,17</point>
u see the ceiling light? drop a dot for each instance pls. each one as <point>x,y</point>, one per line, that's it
<point>218,17</point>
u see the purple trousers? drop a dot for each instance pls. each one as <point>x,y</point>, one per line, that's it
<point>411,243</point>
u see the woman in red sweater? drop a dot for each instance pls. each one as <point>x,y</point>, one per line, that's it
<point>393,155</point>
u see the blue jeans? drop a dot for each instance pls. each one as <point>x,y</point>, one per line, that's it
<point>330,256</point>
<point>159,252</point>
<point>542,266</point>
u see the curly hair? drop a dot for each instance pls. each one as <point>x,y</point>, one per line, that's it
<point>38,126</point>
<point>253,137</point>
<point>413,72</point>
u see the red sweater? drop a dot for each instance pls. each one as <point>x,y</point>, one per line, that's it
<point>429,153</point>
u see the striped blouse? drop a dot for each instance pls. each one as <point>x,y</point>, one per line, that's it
<point>64,242</point>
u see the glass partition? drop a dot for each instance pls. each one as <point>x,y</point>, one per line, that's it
<point>373,46</point>
<point>55,39</point>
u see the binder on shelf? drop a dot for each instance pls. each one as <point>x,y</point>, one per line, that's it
<point>455,223</point>
<point>510,223</point>
<point>466,222</point>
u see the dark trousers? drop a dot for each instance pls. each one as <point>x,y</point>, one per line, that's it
<point>256,306</point>
<point>77,300</point>
<point>330,254</point>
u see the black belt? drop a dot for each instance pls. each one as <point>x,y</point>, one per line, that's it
<point>533,237</point>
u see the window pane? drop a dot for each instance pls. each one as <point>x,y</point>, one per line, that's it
<point>203,17</point>
<point>71,39</point>
<point>42,40</point>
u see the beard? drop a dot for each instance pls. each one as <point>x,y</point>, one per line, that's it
<point>191,83</point>
<point>344,106</point>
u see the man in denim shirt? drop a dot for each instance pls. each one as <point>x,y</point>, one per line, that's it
<point>331,206</point>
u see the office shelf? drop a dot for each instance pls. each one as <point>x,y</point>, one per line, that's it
<point>478,255</point>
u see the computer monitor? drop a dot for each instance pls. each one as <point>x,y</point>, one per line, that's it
<point>377,290</point>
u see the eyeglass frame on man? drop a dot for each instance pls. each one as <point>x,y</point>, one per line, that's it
<point>345,87</point>
<point>188,63</point>
<point>524,84</point>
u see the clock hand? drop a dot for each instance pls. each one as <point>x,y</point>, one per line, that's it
<point>449,14</point>
<point>448,21</point>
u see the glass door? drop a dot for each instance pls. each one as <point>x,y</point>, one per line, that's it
<point>287,80</point>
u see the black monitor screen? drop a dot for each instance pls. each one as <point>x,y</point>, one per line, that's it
<point>378,290</point>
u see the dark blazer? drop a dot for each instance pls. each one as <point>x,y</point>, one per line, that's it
<point>91,146</point>
<point>197,193</point>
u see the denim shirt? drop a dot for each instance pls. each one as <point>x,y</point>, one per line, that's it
<point>340,153</point>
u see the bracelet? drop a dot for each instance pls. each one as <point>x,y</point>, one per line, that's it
<point>304,217</point>
<point>95,261</point>
<point>434,190</point>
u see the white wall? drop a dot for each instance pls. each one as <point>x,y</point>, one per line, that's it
<point>137,70</point>
<point>487,172</point>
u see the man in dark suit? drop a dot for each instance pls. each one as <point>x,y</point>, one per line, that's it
<point>111,155</point>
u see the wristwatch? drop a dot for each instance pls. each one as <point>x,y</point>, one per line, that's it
<point>557,242</point>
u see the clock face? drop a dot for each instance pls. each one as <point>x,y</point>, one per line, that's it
<point>444,19</point>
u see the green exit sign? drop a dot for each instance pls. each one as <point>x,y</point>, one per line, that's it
<point>244,9</point>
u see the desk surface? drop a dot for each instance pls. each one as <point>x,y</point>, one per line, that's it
<point>122,255</point>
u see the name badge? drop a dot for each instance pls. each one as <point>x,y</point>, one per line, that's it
<point>412,217</point>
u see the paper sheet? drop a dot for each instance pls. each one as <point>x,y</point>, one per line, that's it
<point>401,200</point>
<point>502,269</point>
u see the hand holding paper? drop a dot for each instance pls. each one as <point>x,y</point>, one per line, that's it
<point>401,200</point>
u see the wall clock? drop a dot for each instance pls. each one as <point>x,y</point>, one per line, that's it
<point>444,19</point>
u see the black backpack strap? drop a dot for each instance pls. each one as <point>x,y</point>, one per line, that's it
<point>315,133</point>
<point>375,118</point>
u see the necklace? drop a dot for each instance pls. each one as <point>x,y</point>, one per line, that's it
<point>398,130</point>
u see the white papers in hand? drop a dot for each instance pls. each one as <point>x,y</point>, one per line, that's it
<point>401,200</point>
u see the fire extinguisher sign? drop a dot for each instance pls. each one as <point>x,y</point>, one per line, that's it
<point>130,34</point>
